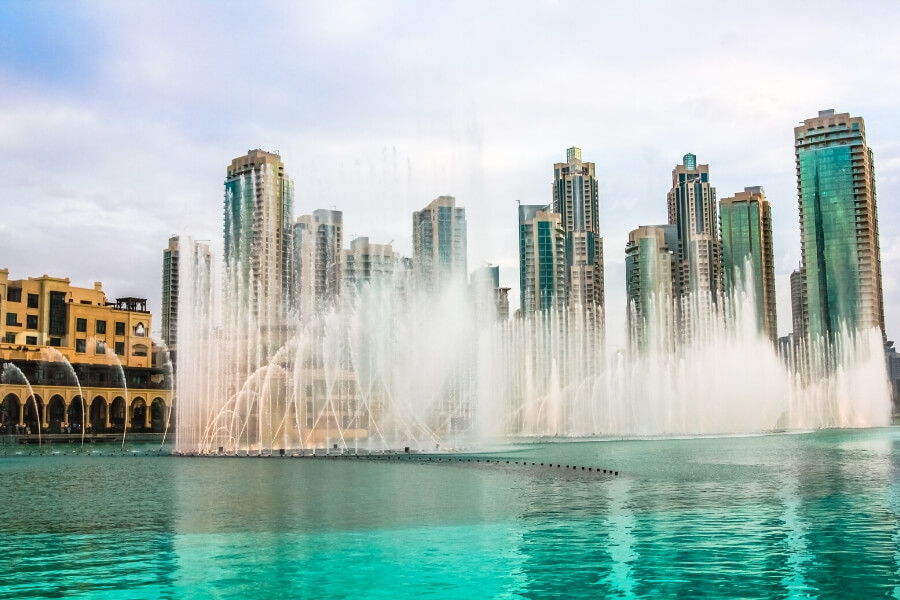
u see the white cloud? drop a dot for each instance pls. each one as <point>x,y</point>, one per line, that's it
<point>379,108</point>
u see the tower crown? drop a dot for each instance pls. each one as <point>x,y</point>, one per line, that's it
<point>573,154</point>
<point>690,162</point>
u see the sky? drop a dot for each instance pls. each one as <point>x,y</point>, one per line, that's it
<point>118,119</point>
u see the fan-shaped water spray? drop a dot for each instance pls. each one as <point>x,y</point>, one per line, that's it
<point>383,370</point>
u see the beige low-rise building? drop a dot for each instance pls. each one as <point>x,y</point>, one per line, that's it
<point>59,343</point>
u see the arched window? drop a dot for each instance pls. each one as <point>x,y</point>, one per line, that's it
<point>140,330</point>
<point>139,350</point>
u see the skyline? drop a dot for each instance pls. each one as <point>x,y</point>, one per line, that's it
<point>142,132</point>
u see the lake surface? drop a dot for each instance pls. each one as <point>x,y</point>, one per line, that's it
<point>775,516</point>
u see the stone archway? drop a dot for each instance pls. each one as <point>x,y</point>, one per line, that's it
<point>34,412</point>
<point>117,414</point>
<point>57,413</point>
<point>98,417</point>
<point>138,414</point>
<point>77,413</point>
<point>9,413</point>
<point>158,415</point>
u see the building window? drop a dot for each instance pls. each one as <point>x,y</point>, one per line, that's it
<point>139,330</point>
<point>56,342</point>
<point>31,339</point>
<point>81,325</point>
<point>139,350</point>
<point>59,314</point>
<point>120,348</point>
<point>9,338</point>
<point>101,327</point>
<point>14,294</point>
<point>32,300</point>
<point>120,328</point>
<point>12,320</point>
<point>81,346</point>
<point>31,322</point>
<point>100,347</point>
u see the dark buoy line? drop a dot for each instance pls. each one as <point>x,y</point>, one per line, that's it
<point>407,453</point>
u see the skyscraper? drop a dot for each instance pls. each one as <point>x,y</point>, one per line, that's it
<point>439,244</point>
<point>490,299</point>
<point>840,259</point>
<point>575,199</point>
<point>259,206</point>
<point>798,306</point>
<point>318,241</point>
<point>542,260</point>
<point>692,209</point>
<point>651,280</point>
<point>200,271</point>
<point>169,307</point>
<point>368,263</point>
<point>746,221</point>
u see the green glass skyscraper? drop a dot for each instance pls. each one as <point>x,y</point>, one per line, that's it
<point>747,257</point>
<point>542,260</point>
<point>841,260</point>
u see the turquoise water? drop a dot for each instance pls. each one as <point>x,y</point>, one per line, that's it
<point>778,516</point>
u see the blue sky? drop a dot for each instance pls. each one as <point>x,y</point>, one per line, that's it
<point>117,119</point>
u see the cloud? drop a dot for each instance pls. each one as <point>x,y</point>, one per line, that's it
<point>116,132</point>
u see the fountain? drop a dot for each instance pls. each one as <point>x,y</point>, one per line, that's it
<point>388,367</point>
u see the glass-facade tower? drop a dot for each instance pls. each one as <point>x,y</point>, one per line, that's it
<point>651,285</point>
<point>692,209</point>
<point>542,260</point>
<point>259,207</point>
<point>575,199</point>
<point>841,259</point>
<point>747,255</point>
<point>439,244</point>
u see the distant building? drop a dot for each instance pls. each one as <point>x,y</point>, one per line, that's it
<point>893,369</point>
<point>259,207</point>
<point>317,246</point>
<point>746,227</point>
<point>841,259</point>
<point>169,305</point>
<point>439,244</point>
<point>542,260</point>
<point>692,209</point>
<point>651,284</point>
<point>487,294</point>
<point>368,263</point>
<point>201,273</point>
<point>575,199</point>
<point>47,326</point>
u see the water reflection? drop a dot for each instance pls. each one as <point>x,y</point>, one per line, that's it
<point>620,522</point>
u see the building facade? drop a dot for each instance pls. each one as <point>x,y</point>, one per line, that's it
<point>366,263</point>
<point>68,355</point>
<point>798,307</point>
<point>651,284</point>
<point>575,199</point>
<point>317,245</point>
<point>169,305</point>
<point>543,273</point>
<point>439,245</point>
<point>747,255</point>
<point>488,296</point>
<point>259,208</point>
<point>692,209</point>
<point>840,255</point>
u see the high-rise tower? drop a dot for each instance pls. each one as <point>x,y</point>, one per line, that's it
<point>169,308</point>
<point>841,259</point>
<point>692,209</point>
<point>746,221</point>
<point>439,244</point>
<point>651,284</point>
<point>542,260</point>
<point>318,241</point>
<point>575,199</point>
<point>259,206</point>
